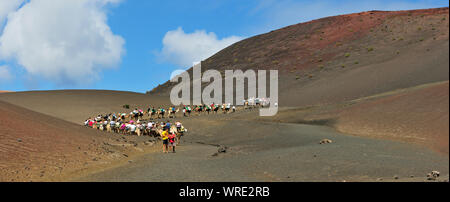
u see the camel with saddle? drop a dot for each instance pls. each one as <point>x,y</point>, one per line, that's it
<point>157,132</point>
<point>250,103</point>
<point>152,113</point>
<point>246,105</point>
<point>108,128</point>
<point>208,109</point>
<point>172,114</point>
<point>227,108</point>
<point>188,111</point>
<point>140,129</point>
<point>161,113</point>
<point>117,127</point>
<point>178,132</point>
<point>141,114</point>
<point>216,109</point>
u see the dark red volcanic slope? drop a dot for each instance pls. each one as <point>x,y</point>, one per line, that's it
<point>35,146</point>
<point>418,115</point>
<point>345,57</point>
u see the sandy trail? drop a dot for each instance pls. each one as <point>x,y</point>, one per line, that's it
<point>266,153</point>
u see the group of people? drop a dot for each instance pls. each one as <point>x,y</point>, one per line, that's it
<point>212,108</point>
<point>133,123</point>
<point>170,134</point>
<point>186,109</point>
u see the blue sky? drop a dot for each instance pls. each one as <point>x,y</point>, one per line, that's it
<point>134,45</point>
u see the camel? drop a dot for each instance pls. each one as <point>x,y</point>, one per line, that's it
<point>113,127</point>
<point>144,131</point>
<point>138,131</point>
<point>147,131</point>
<point>161,112</point>
<point>257,102</point>
<point>151,114</point>
<point>142,128</point>
<point>251,103</point>
<point>199,109</point>
<point>177,133</point>
<point>155,131</point>
<point>189,111</point>
<point>135,116</point>
<point>122,128</point>
<point>117,127</point>
<point>158,132</point>
<point>246,105</point>
<point>172,113</point>
<point>141,114</point>
<point>227,109</point>
<point>173,129</point>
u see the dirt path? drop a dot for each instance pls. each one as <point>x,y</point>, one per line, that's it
<point>279,152</point>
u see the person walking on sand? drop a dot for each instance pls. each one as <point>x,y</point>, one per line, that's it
<point>165,138</point>
<point>172,143</point>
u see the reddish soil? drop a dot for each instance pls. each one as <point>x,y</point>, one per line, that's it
<point>37,147</point>
<point>345,57</point>
<point>418,116</point>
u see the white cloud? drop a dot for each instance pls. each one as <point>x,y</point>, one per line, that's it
<point>5,75</point>
<point>6,7</point>
<point>184,49</point>
<point>67,42</point>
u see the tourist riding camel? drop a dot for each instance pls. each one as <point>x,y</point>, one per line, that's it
<point>216,108</point>
<point>137,125</point>
<point>152,112</point>
<point>199,109</point>
<point>208,109</point>
<point>161,113</point>
<point>172,112</point>
<point>227,107</point>
<point>188,110</point>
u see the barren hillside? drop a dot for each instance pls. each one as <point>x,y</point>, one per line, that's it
<point>77,105</point>
<point>345,57</point>
<point>37,147</point>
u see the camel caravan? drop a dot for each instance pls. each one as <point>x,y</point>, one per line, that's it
<point>118,124</point>
<point>139,122</point>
